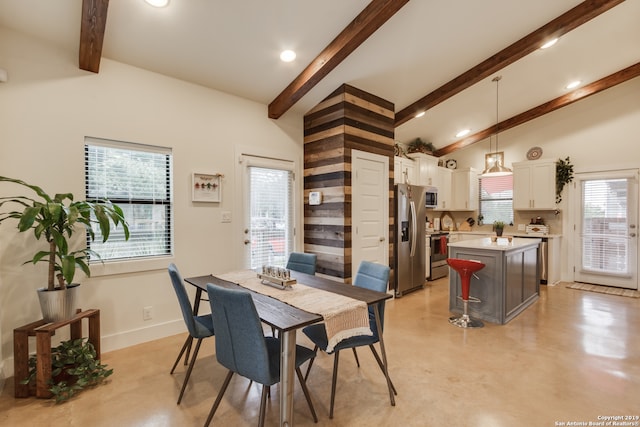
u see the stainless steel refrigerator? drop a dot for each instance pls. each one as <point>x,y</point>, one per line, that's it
<point>409,248</point>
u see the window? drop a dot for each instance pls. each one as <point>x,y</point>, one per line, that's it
<point>496,199</point>
<point>138,179</point>
<point>271,215</point>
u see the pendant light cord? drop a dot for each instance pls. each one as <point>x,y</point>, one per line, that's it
<point>497,80</point>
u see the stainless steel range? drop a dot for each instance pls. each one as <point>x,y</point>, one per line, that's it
<point>438,259</point>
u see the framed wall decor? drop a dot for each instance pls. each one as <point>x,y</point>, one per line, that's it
<point>206,187</point>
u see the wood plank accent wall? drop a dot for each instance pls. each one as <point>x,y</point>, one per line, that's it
<point>347,119</point>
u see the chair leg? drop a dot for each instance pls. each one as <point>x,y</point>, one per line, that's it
<point>189,369</point>
<point>355,354</point>
<point>333,382</point>
<point>306,375</point>
<point>375,354</point>
<point>187,342</point>
<point>263,405</point>
<point>219,398</point>
<point>305,390</point>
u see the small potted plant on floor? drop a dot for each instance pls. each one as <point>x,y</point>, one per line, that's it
<point>498,226</point>
<point>55,219</point>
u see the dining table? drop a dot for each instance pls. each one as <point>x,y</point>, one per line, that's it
<point>287,319</point>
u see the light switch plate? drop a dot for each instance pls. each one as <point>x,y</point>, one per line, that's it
<point>226,216</point>
<point>521,227</point>
<point>315,198</point>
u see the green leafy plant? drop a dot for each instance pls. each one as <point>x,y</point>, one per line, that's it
<point>55,219</point>
<point>564,175</point>
<point>74,367</point>
<point>419,146</point>
<point>498,224</point>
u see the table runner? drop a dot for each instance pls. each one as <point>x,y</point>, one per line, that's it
<point>344,317</point>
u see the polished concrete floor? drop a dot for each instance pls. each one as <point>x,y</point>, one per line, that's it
<point>574,356</point>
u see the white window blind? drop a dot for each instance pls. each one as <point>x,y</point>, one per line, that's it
<point>138,179</point>
<point>496,199</point>
<point>271,210</point>
<point>604,226</point>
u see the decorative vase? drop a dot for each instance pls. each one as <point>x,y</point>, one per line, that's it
<point>58,305</point>
<point>499,231</point>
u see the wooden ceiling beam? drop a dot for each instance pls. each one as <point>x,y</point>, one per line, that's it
<point>566,22</point>
<point>366,23</point>
<point>542,109</point>
<point>93,24</point>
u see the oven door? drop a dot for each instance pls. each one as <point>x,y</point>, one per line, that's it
<point>439,247</point>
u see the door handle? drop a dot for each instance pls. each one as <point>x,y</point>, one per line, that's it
<point>632,234</point>
<point>247,241</point>
<point>382,239</point>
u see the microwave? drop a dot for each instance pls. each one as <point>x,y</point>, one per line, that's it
<point>431,197</point>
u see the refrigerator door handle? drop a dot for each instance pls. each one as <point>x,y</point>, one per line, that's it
<point>414,226</point>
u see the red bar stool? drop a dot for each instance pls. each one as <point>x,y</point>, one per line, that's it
<point>465,268</point>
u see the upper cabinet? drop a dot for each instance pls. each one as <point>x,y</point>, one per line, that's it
<point>464,183</point>
<point>443,183</point>
<point>534,185</point>
<point>426,168</point>
<point>405,171</point>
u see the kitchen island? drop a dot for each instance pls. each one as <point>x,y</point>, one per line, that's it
<point>506,286</point>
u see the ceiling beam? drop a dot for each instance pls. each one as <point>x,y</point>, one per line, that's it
<point>542,109</point>
<point>94,21</point>
<point>566,22</point>
<point>366,23</point>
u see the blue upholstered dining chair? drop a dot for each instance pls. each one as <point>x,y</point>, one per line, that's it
<point>199,327</point>
<point>302,262</point>
<point>371,276</point>
<point>242,348</point>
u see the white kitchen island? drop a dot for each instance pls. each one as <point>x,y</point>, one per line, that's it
<point>507,285</point>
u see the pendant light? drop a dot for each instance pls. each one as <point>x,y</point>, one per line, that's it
<point>494,161</point>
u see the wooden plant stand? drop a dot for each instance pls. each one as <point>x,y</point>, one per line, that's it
<point>43,332</point>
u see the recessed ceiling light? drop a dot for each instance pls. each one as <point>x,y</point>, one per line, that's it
<point>420,114</point>
<point>573,84</point>
<point>287,55</point>
<point>549,43</point>
<point>157,3</point>
<point>463,132</point>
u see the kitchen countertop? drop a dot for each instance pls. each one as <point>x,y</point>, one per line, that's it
<point>516,234</point>
<point>502,243</point>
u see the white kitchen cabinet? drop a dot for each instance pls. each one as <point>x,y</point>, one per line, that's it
<point>534,185</point>
<point>464,189</point>
<point>405,171</point>
<point>425,168</point>
<point>443,183</point>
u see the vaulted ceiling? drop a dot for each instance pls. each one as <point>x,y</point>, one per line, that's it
<point>438,57</point>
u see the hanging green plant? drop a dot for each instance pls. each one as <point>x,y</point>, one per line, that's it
<point>74,367</point>
<point>564,175</point>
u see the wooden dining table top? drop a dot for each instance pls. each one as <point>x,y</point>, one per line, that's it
<point>283,316</point>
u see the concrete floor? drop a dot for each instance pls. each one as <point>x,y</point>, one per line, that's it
<point>574,356</point>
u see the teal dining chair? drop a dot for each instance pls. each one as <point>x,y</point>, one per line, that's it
<point>371,276</point>
<point>242,348</point>
<point>302,262</point>
<point>199,327</point>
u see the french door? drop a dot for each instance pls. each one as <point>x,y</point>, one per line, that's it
<point>606,238</point>
<point>268,232</point>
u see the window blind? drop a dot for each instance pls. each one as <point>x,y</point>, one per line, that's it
<point>604,226</point>
<point>496,199</point>
<point>138,179</point>
<point>271,211</point>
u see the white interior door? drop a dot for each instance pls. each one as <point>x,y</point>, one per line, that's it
<point>268,232</point>
<point>606,230</point>
<point>370,209</point>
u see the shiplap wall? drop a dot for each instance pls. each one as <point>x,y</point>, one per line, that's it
<point>347,119</point>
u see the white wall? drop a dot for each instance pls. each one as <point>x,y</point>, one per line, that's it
<point>47,108</point>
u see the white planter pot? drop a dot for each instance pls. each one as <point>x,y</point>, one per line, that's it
<point>60,304</point>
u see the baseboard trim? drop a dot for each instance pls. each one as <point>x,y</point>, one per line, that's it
<point>116,341</point>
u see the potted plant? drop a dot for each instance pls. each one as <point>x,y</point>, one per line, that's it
<point>564,175</point>
<point>419,146</point>
<point>498,226</point>
<point>73,368</point>
<point>55,219</point>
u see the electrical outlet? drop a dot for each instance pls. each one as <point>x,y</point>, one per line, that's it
<point>521,227</point>
<point>147,313</point>
<point>226,216</point>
